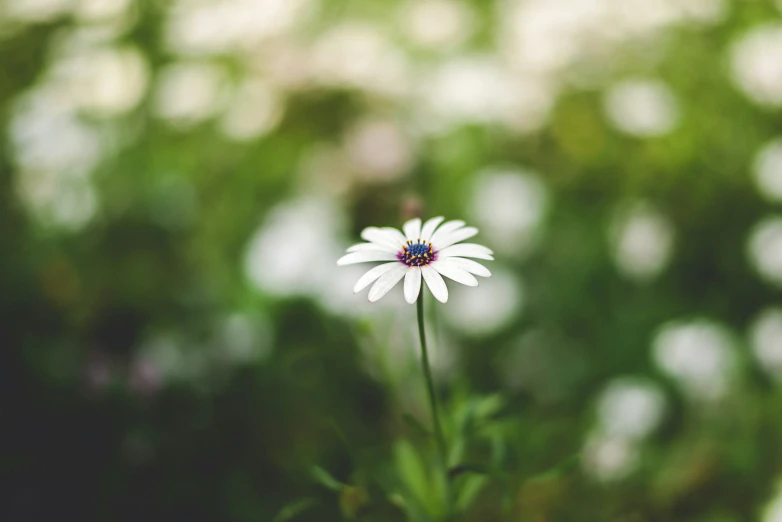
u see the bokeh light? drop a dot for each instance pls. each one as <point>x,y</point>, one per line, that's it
<point>768,170</point>
<point>764,249</point>
<point>699,355</point>
<point>757,64</point>
<point>642,240</point>
<point>766,341</point>
<point>641,108</point>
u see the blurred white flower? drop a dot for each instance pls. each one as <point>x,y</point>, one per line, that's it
<point>639,18</point>
<point>254,109</point>
<point>81,40</point>
<point>101,10</point>
<point>481,89</point>
<point>768,170</point>
<point>756,64</point>
<point>360,56</point>
<point>437,24</point>
<point>530,104</point>
<point>56,153</point>
<point>703,11</point>
<point>35,10</point>
<point>641,241</point>
<point>103,81</point>
<point>544,35</point>
<point>287,65</point>
<point>379,150</point>
<point>47,136</point>
<point>609,458</point>
<point>189,92</point>
<point>58,199</point>
<point>698,354</point>
<point>551,37</point>
<point>197,27</point>
<point>425,251</point>
<point>642,107</point>
<point>630,407</point>
<point>279,257</point>
<point>509,206</point>
<point>765,337</point>
<point>764,248</point>
<point>488,308</point>
<point>473,89</point>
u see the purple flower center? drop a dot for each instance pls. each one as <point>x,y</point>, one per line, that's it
<point>417,253</point>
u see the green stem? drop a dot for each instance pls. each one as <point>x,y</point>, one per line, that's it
<point>438,429</point>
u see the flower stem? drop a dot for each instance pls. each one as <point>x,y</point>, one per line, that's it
<point>438,429</point>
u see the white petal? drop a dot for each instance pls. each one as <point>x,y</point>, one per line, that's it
<point>413,229</point>
<point>398,237</point>
<point>368,278</point>
<point>429,228</point>
<point>435,283</point>
<point>412,284</point>
<point>446,228</point>
<point>451,271</point>
<point>467,250</point>
<point>470,265</point>
<point>387,282</point>
<point>382,237</point>
<point>449,239</point>
<point>363,247</point>
<point>365,257</point>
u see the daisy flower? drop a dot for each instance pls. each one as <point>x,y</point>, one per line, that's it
<point>425,252</point>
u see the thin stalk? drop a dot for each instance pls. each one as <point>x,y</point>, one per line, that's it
<point>438,429</point>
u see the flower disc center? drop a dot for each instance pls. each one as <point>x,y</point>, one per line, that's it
<point>417,253</point>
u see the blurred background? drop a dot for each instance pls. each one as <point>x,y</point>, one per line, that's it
<point>177,180</point>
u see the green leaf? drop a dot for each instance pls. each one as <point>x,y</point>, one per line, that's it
<point>412,472</point>
<point>499,450</point>
<point>469,491</point>
<point>457,449</point>
<point>326,479</point>
<point>487,407</point>
<point>414,511</point>
<point>294,509</point>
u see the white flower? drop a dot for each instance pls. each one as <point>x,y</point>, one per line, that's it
<point>426,252</point>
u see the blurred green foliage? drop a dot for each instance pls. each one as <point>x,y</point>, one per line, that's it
<point>172,351</point>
